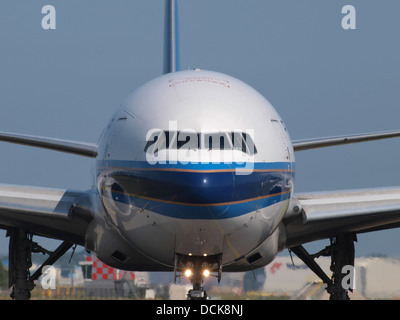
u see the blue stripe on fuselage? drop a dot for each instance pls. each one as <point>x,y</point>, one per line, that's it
<point>201,191</point>
<point>195,166</point>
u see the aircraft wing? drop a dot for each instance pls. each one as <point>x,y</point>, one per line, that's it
<point>55,213</point>
<point>301,145</point>
<point>315,216</point>
<point>78,148</point>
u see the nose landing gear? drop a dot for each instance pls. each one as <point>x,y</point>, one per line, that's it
<point>196,269</point>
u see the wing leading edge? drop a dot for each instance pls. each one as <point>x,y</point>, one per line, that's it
<point>315,216</point>
<point>301,145</point>
<point>77,148</point>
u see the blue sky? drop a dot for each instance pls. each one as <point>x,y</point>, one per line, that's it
<point>322,79</point>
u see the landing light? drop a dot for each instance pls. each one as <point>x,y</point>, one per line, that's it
<point>188,273</point>
<point>206,273</point>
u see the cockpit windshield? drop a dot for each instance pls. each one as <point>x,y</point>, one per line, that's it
<point>235,140</point>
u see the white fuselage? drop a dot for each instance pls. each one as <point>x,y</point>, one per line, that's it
<point>195,163</point>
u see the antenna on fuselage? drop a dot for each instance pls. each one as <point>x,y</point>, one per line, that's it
<point>171,39</point>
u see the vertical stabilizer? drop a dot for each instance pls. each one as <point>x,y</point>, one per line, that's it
<point>171,43</point>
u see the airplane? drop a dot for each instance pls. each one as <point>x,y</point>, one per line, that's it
<point>194,174</point>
